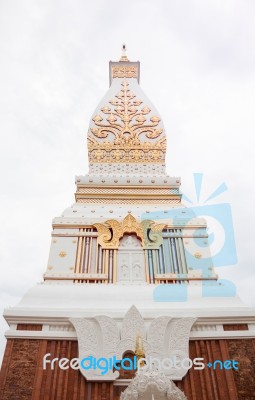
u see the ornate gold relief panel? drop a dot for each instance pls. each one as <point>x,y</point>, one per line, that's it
<point>110,233</point>
<point>129,71</point>
<point>121,125</point>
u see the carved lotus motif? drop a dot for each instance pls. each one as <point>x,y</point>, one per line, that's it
<point>101,337</point>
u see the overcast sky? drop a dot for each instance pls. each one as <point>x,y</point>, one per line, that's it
<point>197,67</point>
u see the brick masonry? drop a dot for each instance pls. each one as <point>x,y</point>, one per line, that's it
<point>23,378</point>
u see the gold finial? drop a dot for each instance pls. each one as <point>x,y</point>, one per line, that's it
<point>124,56</point>
<point>139,349</point>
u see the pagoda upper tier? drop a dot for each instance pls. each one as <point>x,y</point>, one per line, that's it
<point>126,127</point>
<point>126,151</point>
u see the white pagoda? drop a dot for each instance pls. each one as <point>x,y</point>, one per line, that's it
<point>124,276</point>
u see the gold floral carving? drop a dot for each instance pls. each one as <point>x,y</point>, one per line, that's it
<point>104,234</point>
<point>124,71</point>
<point>152,234</point>
<point>62,254</point>
<point>131,225</point>
<point>110,233</point>
<point>130,137</point>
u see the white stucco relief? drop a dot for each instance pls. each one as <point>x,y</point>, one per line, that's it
<point>152,385</point>
<point>101,336</point>
<point>130,260</point>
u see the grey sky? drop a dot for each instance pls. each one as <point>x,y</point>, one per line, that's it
<point>197,67</point>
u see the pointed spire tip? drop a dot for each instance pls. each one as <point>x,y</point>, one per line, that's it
<point>124,56</point>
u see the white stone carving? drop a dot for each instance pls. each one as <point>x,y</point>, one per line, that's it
<point>169,338</point>
<point>124,272</point>
<point>152,383</point>
<point>97,338</point>
<point>88,341</point>
<point>110,335</point>
<point>100,337</point>
<point>130,265</point>
<point>61,328</point>
<point>130,260</point>
<point>177,343</point>
<point>130,241</point>
<point>206,328</point>
<point>133,324</point>
<point>178,332</point>
<point>156,336</point>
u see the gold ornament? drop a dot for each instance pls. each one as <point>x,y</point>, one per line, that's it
<point>125,130</point>
<point>139,349</point>
<point>130,71</point>
<point>110,233</point>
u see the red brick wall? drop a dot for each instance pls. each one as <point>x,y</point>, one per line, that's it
<point>235,327</point>
<point>29,327</point>
<point>23,378</point>
<point>244,351</point>
<point>18,369</point>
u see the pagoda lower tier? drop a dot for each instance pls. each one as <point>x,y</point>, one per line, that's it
<point>24,378</point>
<point>54,318</point>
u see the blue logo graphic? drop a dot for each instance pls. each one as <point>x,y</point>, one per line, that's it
<point>203,249</point>
<point>227,364</point>
<point>107,364</point>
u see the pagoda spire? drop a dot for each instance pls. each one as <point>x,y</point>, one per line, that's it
<point>124,56</point>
